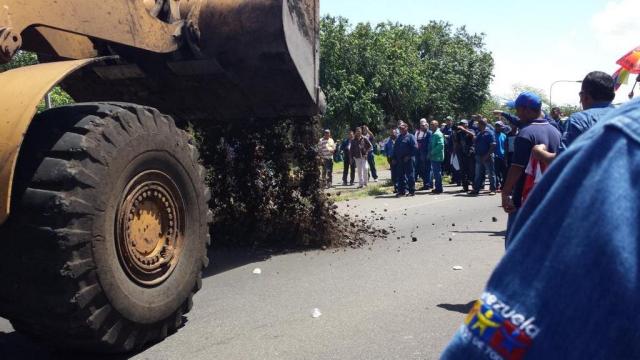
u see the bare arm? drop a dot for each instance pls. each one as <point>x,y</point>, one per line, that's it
<point>492,148</point>
<point>514,174</point>
<point>541,154</point>
<point>469,132</point>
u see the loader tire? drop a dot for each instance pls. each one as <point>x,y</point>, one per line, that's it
<point>109,229</point>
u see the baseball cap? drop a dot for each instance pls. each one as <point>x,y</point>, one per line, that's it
<point>464,122</point>
<point>448,118</point>
<point>423,121</point>
<point>326,131</point>
<point>529,100</point>
<point>499,123</point>
<point>511,104</point>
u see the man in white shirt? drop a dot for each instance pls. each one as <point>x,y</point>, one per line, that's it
<point>326,149</point>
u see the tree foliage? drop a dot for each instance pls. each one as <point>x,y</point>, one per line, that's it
<point>23,58</point>
<point>377,75</point>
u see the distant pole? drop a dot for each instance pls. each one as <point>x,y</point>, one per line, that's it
<point>47,100</point>
<point>559,81</point>
<point>631,94</point>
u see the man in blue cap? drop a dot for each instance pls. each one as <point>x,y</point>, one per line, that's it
<point>535,130</point>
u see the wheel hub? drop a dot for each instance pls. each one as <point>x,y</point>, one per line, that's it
<point>150,228</point>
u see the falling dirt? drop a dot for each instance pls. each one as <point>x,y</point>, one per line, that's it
<point>266,189</point>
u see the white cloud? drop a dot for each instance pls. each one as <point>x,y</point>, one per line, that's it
<point>617,32</point>
<point>555,60</point>
<point>616,27</point>
<point>596,45</point>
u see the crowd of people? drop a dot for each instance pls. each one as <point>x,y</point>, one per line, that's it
<point>572,234</point>
<point>511,151</point>
<point>572,238</point>
<point>469,152</point>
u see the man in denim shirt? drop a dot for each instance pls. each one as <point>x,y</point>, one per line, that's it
<point>568,287</point>
<point>404,151</point>
<point>596,95</point>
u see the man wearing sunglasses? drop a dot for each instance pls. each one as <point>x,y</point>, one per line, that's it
<point>596,96</point>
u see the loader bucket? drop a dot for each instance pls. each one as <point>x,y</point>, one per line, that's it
<point>244,58</point>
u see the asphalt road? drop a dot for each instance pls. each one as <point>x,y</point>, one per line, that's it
<point>393,299</point>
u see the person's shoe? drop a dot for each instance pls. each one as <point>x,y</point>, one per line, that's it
<point>492,193</point>
<point>344,183</point>
<point>499,190</point>
<point>434,191</point>
<point>360,186</point>
<point>474,192</point>
<point>411,194</point>
<point>375,180</point>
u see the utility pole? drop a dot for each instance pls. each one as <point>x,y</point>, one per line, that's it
<point>47,100</point>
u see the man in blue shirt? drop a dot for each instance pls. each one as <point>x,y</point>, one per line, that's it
<point>448,148</point>
<point>500,154</point>
<point>423,164</point>
<point>556,115</point>
<point>404,151</point>
<point>485,144</point>
<point>567,288</point>
<point>536,131</point>
<point>596,96</point>
<point>465,152</point>
<point>388,151</point>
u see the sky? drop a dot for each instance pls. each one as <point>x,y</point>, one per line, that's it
<point>533,43</point>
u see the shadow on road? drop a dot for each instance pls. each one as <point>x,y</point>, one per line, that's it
<point>226,259</point>
<point>14,346</point>
<point>460,308</point>
<point>389,196</point>
<point>502,233</point>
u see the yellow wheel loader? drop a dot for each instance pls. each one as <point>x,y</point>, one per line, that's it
<point>104,214</point>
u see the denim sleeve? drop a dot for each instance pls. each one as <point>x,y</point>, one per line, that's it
<point>575,128</point>
<point>568,286</point>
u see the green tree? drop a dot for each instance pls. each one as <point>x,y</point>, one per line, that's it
<point>23,58</point>
<point>379,75</point>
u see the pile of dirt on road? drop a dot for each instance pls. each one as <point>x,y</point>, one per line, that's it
<point>266,189</point>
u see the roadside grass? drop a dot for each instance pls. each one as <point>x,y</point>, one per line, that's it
<point>385,188</point>
<point>380,160</point>
<point>379,189</point>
